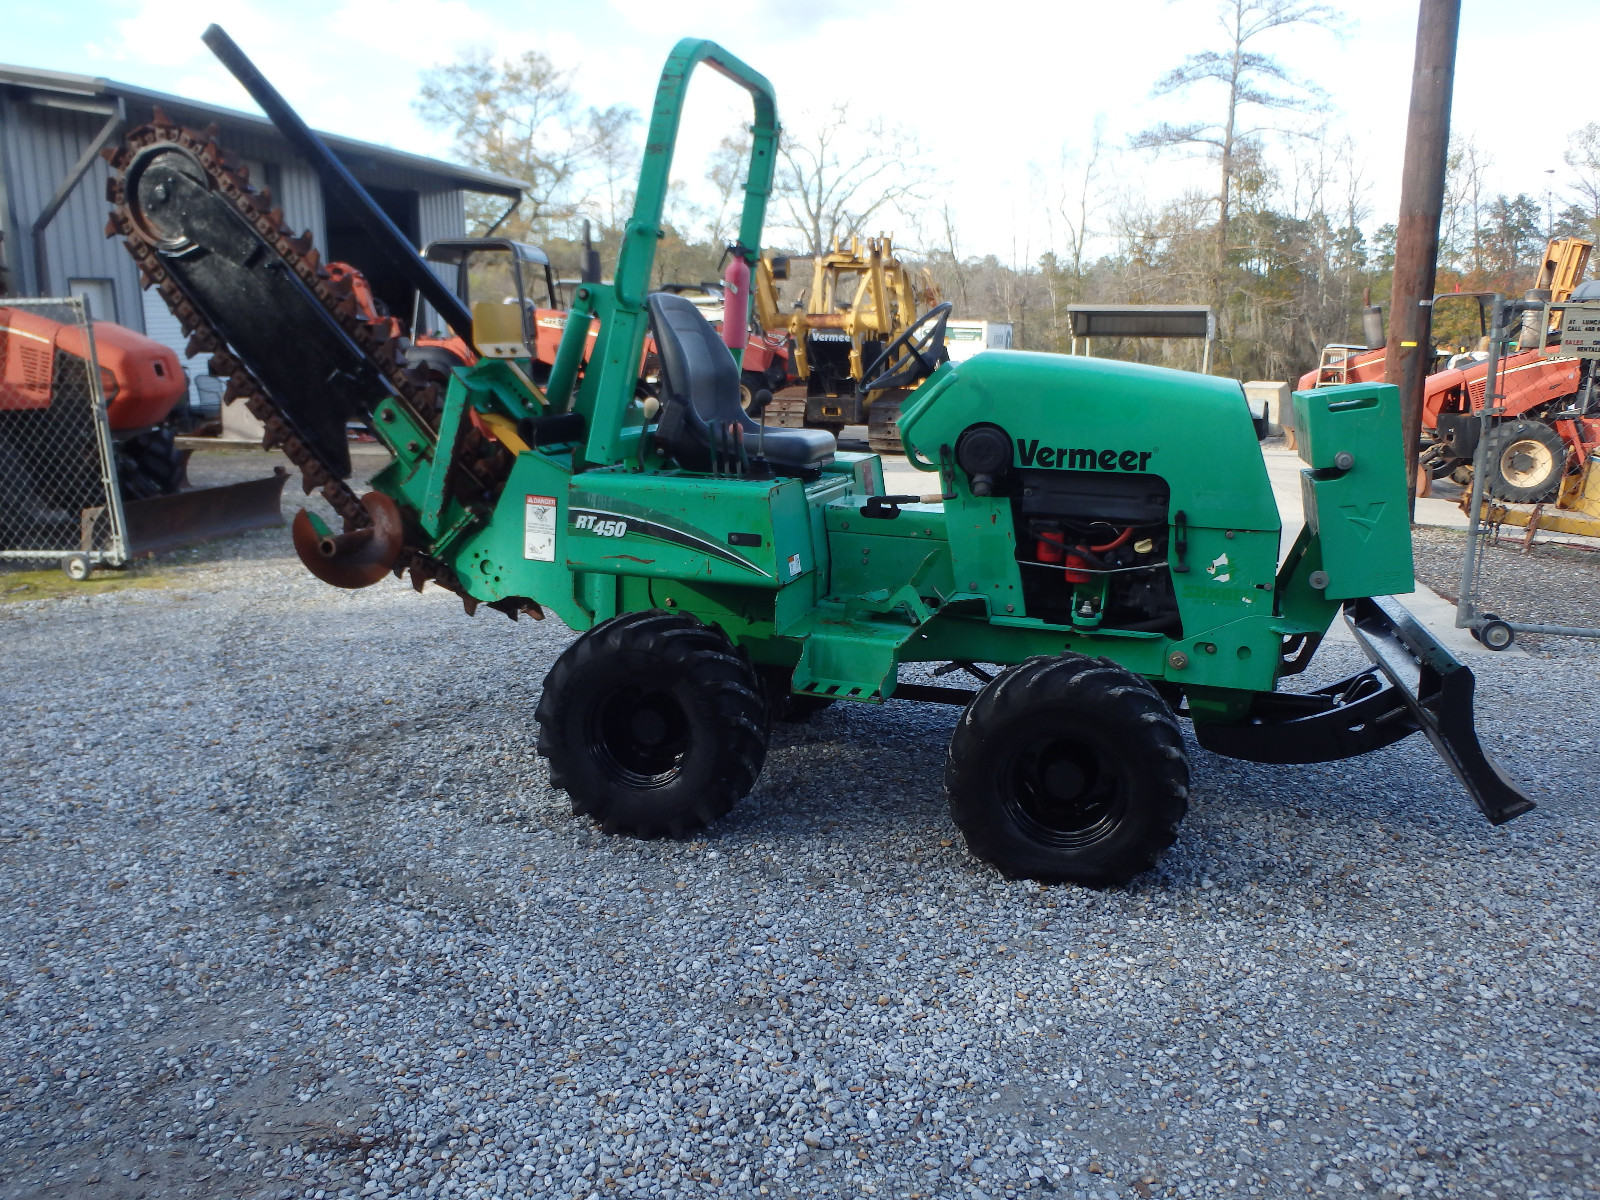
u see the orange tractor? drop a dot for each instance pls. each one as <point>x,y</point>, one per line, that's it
<point>1543,425</point>
<point>64,483</point>
<point>140,378</point>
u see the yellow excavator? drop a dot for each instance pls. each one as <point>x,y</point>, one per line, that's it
<point>861,299</point>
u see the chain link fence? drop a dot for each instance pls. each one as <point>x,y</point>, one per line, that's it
<point>58,482</point>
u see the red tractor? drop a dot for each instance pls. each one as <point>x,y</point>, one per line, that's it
<point>1543,425</point>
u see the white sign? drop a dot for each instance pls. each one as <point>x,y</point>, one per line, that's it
<point>1580,331</point>
<point>539,529</point>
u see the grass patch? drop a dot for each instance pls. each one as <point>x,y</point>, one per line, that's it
<point>51,584</point>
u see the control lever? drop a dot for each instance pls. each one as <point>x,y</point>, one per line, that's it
<point>887,508</point>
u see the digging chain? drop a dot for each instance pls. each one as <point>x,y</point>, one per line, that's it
<point>231,180</point>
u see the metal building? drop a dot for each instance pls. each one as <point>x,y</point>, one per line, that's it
<point>52,192</point>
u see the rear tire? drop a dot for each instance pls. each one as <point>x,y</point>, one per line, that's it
<point>1068,769</point>
<point>149,465</point>
<point>1524,461</point>
<point>19,503</point>
<point>653,723</point>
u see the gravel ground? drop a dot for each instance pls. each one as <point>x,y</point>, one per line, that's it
<point>1549,584</point>
<point>294,912</point>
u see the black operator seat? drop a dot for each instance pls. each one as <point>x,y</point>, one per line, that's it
<point>700,389</point>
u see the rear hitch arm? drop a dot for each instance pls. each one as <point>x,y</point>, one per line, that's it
<point>1414,684</point>
<point>1438,690</point>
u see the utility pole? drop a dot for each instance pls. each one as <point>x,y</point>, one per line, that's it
<point>1421,204</point>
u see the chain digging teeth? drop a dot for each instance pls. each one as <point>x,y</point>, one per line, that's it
<point>231,180</point>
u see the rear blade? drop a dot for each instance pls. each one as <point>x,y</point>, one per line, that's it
<point>1438,690</point>
<point>164,523</point>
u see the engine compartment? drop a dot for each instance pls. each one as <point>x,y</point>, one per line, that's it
<point>1093,549</point>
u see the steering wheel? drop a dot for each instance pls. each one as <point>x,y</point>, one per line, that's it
<point>914,355</point>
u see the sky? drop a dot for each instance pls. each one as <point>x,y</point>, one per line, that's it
<point>1000,95</point>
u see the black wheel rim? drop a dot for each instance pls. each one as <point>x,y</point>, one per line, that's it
<point>640,736</point>
<point>1065,791</point>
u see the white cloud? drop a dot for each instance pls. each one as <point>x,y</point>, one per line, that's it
<point>994,92</point>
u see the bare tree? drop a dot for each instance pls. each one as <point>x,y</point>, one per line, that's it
<point>1077,210</point>
<point>1582,157</point>
<point>1461,232</point>
<point>1070,197</point>
<point>520,117</point>
<point>725,171</point>
<point>835,175</point>
<point>1248,78</point>
<point>615,159</point>
<point>957,267</point>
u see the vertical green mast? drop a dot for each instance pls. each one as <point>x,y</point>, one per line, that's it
<point>609,381</point>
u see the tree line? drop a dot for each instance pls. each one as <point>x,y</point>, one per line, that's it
<point>1279,247</point>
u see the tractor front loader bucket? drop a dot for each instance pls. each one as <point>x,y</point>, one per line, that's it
<point>1414,684</point>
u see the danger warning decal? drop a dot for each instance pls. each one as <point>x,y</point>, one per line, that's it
<point>539,529</point>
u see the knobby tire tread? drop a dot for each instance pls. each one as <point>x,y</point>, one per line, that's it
<point>1096,686</point>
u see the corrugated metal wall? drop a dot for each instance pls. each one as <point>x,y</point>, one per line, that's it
<point>40,146</point>
<point>441,215</point>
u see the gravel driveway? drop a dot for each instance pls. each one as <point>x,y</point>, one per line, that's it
<point>292,911</point>
<point>1549,584</point>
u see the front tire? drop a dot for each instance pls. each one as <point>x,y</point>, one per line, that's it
<point>653,723</point>
<point>1495,633</point>
<point>1068,770</point>
<point>1525,461</point>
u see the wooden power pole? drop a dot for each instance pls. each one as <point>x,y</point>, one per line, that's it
<point>1416,249</point>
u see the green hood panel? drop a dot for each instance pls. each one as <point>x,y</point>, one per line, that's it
<point>1070,413</point>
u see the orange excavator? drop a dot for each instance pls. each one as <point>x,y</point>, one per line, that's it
<point>1541,427</point>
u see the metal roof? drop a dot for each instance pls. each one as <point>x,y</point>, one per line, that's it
<point>453,250</point>
<point>64,90</point>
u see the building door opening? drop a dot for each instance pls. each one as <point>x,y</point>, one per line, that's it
<point>351,242</point>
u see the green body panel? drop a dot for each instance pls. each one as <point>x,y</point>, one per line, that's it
<point>746,532</point>
<point>1357,512</point>
<point>797,574</point>
<point>1305,609</point>
<point>983,551</point>
<point>1104,417</point>
<point>870,555</point>
<point>1194,431</point>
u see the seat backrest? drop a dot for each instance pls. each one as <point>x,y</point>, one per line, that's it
<point>697,370</point>
<point>700,399</point>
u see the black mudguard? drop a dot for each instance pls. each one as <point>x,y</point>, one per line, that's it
<point>1414,684</point>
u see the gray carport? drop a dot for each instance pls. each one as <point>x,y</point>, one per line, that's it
<point>52,191</point>
<point>1090,321</point>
